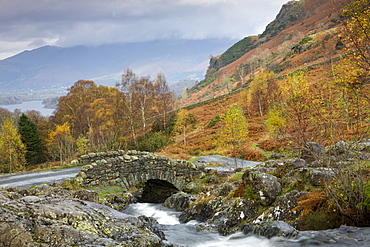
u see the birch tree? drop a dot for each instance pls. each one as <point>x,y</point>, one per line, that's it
<point>234,131</point>
<point>184,122</point>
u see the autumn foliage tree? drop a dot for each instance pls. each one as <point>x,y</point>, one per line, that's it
<point>164,98</point>
<point>352,75</point>
<point>61,143</point>
<point>142,99</point>
<point>113,117</point>
<point>260,94</point>
<point>234,130</point>
<point>12,149</point>
<point>185,121</point>
<point>74,107</point>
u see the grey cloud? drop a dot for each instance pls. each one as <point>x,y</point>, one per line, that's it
<point>96,22</point>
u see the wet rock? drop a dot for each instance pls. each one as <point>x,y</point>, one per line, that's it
<point>342,236</point>
<point>265,185</point>
<point>270,229</point>
<point>179,201</point>
<point>240,210</point>
<point>222,213</point>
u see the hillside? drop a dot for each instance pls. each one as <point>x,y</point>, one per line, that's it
<point>304,33</point>
<point>304,39</point>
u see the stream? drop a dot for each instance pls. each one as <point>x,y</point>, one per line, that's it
<point>187,235</point>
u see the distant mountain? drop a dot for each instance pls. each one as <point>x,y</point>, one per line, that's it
<point>51,68</point>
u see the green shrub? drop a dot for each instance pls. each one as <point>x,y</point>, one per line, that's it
<point>214,121</point>
<point>349,193</point>
<point>305,40</point>
<point>249,193</point>
<point>152,142</point>
<point>321,219</point>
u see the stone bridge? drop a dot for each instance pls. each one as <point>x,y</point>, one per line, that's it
<point>160,176</point>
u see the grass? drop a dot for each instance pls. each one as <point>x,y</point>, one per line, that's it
<point>56,167</point>
<point>215,165</point>
<point>236,177</point>
<point>106,191</point>
<point>193,159</point>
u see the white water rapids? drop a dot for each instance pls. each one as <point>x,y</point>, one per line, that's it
<point>186,234</point>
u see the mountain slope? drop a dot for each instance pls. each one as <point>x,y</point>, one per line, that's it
<point>304,33</point>
<point>56,67</point>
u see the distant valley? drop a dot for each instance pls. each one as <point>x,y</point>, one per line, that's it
<point>51,70</point>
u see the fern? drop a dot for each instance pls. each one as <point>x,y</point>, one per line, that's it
<point>311,202</point>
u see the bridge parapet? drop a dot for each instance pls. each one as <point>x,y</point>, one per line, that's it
<point>130,168</point>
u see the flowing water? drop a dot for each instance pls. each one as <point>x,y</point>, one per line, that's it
<point>187,235</point>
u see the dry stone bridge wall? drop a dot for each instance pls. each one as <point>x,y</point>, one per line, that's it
<point>130,168</point>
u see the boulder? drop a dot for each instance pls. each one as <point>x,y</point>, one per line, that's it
<point>297,163</point>
<point>179,201</point>
<point>315,176</point>
<point>319,175</point>
<point>282,209</point>
<point>225,189</point>
<point>265,185</point>
<point>270,229</point>
<point>223,213</point>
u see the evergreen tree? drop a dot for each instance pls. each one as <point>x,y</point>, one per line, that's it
<point>12,149</point>
<point>30,138</point>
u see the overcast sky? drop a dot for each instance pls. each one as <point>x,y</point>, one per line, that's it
<point>28,24</point>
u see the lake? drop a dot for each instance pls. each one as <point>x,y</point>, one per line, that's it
<point>30,105</point>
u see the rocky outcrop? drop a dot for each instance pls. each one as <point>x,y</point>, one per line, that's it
<point>283,209</point>
<point>265,185</point>
<point>48,216</point>
<point>223,213</point>
<point>290,12</point>
<point>179,201</point>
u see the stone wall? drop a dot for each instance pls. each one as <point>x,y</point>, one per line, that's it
<point>129,168</point>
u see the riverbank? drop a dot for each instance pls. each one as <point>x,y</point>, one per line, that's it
<point>324,188</point>
<point>280,200</point>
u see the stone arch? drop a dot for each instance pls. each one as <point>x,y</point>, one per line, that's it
<point>133,179</point>
<point>157,191</point>
<point>128,169</point>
